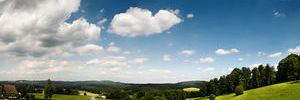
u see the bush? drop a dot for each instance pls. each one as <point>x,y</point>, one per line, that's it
<point>239,90</point>
<point>212,97</point>
<point>29,97</point>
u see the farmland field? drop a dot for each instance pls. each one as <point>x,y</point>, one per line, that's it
<point>282,91</point>
<point>87,93</point>
<point>191,89</point>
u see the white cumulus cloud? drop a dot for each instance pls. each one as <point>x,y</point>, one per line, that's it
<point>260,53</point>
<point>166,58</point>
<point>275,55</point>
<point>113,48</point>
<point>102,21</point>
<point>206,60</point>
<point>159,71</point>
<point>139,60</point>
<point>189,15</point>
<point>187,52</point>
<point>296,50</point>
<point>254,65</point>
<point>225,52</point>
<point>230,69</point>
<point>278,14</point>
<point>90,49</point>
<point>140,22</point>
<point>38,27</point>
<point>110,61</point>
<point>240,59</point>
<point>126,52</point>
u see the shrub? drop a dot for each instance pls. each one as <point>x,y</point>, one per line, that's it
<point>212,97</point>
<point>239,90</point>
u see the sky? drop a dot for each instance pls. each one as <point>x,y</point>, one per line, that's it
<point>143,41</point>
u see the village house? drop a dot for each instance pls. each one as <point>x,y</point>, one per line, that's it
<point>10,92</point>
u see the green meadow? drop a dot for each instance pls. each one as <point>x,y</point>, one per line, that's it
<point>281,91</point>
<point>191,89</point>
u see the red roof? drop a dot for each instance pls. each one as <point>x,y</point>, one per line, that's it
<point>10,89</point>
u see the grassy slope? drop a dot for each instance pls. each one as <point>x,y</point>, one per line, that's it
<point>65,97</point>
<point>282,91</point>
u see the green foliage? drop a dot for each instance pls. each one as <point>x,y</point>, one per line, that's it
<point>58,90</point>
<point>212,97</point>
<point>71,92</point>
<point>261,76</point>
<point>239,90</point>
<point>246,77</point>
<point>159,98</point>
<point>1,90</point>
<point>162,95</point>
<point>236,75</point>
<point>30,97</point>
<point>8,95</point>
<point>289,68</point>
<point>254,79</point>
<point>22,88</point>
<point>48,91</point>
<point>117,94</point>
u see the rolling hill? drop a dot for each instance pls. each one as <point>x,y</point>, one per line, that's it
<point>281,91</point>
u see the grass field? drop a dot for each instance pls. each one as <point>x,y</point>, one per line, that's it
<point>282,91</point>
<point>64,97</point>
<point>191,89</point>
<point>88,93</point>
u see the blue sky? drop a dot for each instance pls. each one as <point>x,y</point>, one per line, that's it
<point>143,41</point>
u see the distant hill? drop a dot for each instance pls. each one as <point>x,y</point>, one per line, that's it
<point>107,85</point>
<point>191,83</point>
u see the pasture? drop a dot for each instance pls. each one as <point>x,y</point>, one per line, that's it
<point>191,89</point>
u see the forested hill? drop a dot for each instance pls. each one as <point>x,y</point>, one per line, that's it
<point>108,85</point>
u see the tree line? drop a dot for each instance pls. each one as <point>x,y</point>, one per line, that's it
<point>244,78</point>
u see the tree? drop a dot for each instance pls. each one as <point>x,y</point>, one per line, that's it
<point>273,75</point>
<point>289,68</point>
<point>239,90</point>
<point>223,85</point>
<point>30,89</point>
<point>22,89</point>
<point>58,90</point>
<point>214,86</point>
<point>212,97</point>
<point>246,77</point>
<point>236,75</point>
<point>48,91</point>
<point>204,89</point>
<point>254,78</point>
<point>1,90</point>
<point>229,84</point>
<point>269,75</point>
<point>261,75</point>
